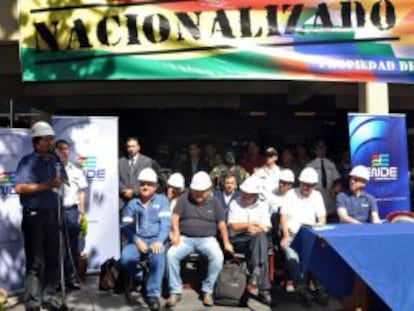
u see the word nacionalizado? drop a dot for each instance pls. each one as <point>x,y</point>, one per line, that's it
<point>142,27</point>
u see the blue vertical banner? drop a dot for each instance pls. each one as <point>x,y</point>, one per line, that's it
<point>380,143</point>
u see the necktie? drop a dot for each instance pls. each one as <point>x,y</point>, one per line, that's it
<point>131,165</point>
<point>323,172</point>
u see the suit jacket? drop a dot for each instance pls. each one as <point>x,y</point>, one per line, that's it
<point>187,172</point>
<point>129,180</point>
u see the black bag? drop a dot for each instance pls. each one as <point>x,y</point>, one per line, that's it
<point>230,288</point>
<point>108,275</point>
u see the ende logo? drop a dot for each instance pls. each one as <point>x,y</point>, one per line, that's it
<point>381,169</point>
<point>7,180</point>
<point>89,167</point>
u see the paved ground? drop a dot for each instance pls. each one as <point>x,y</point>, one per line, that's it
<point>91,299</point>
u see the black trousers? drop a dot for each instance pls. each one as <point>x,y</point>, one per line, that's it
<point>256,248</point>
<point>41,245</point>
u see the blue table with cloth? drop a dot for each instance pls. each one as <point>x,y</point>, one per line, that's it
<point>382,255</point>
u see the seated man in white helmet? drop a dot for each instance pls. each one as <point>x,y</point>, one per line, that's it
<point>302,206</point>
<point>249,221</point>
<point>175,186</point>
<point>357,206</point>
<point>146,224</point>
<point>196,218</point>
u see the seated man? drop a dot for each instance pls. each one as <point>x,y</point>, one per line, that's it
<point>302,206</point>
<point>151,219</point>
<point>356,206</point>
<point>249,221</point>
<point>194,224</point>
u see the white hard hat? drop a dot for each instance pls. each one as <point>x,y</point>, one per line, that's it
<point>148,174</point>
<point>308,175</point>
<point>176,180</point>
<point>361,172</point>
<point>41,128</point>
<point>201,181</point>
<point>287,176</point>
<point>251,185</point>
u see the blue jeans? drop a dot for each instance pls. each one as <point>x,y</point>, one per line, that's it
<point>130,259</point>
<point>71,216</point>
<point>208,247</point>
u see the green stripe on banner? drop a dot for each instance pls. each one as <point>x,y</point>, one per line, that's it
<point>228,65</point>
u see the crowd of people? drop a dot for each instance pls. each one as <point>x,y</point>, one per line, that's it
<point>210,204</point>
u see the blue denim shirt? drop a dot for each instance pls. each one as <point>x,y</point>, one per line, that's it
<point>33,168</point>
<point>154,221</point>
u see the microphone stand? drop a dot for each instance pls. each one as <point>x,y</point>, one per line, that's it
<point>61,238</point>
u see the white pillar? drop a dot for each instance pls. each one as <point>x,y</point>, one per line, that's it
<point>373,98</point>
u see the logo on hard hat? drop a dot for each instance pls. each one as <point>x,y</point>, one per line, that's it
<point>89,165</point>
<point>7,180</point>
<point>381,168</point>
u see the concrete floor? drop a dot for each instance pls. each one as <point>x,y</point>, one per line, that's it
<point>91,299</point>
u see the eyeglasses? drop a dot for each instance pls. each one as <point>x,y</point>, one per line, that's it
<point>357,179</point>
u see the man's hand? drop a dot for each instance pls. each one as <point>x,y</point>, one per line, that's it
<point>142,246</point>
<point>55,183</point>
<point>254,228</point>
<point>175,240</point>
<point>284,242</point>
<point>127,194</point>
<point>157,247</point>
<point>228,247</point>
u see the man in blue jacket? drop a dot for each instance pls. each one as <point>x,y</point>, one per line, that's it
<point>146,224</point>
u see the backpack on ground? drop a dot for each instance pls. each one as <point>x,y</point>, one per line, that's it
<point>108,275</point>
<point>230,288</point>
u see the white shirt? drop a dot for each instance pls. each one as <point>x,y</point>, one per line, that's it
<point>330,171</point>
<point>77,182</point>
<point>275,202</point>
<point>227,198</point>
<point>269,178</point>
<point>255,213</point>
<point>302,210</point>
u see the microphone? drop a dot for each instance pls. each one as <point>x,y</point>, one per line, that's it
<point>59,167</point>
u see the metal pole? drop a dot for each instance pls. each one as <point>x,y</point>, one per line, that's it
<point>11,113</point>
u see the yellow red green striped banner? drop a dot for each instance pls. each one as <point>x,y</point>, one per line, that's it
<point>217,39</point>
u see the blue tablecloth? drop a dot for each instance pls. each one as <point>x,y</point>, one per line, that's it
<point>381,254</point>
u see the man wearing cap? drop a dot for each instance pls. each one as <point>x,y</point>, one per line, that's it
<point>146,224</point>
<point>74,209</point>
<point>249,221</point>
<point>195,220</point>
<point>37,177</point>
<point>302,206</point>
<point>129,169</point>
<point>356,206</point>
<point>327,174</point>
<point>269,173</point>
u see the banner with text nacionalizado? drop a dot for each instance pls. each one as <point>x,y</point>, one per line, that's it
<point>218,39</point>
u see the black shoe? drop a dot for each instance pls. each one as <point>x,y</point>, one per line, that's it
<point>265,297</point>
<point>154,303</point>
<point>321,297</point>
<point>305,297</point>
<point>52,305</point>
<point>33,308</point>
<point>73,285</point>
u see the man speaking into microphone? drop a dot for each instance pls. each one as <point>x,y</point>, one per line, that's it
<point>36,181</point>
